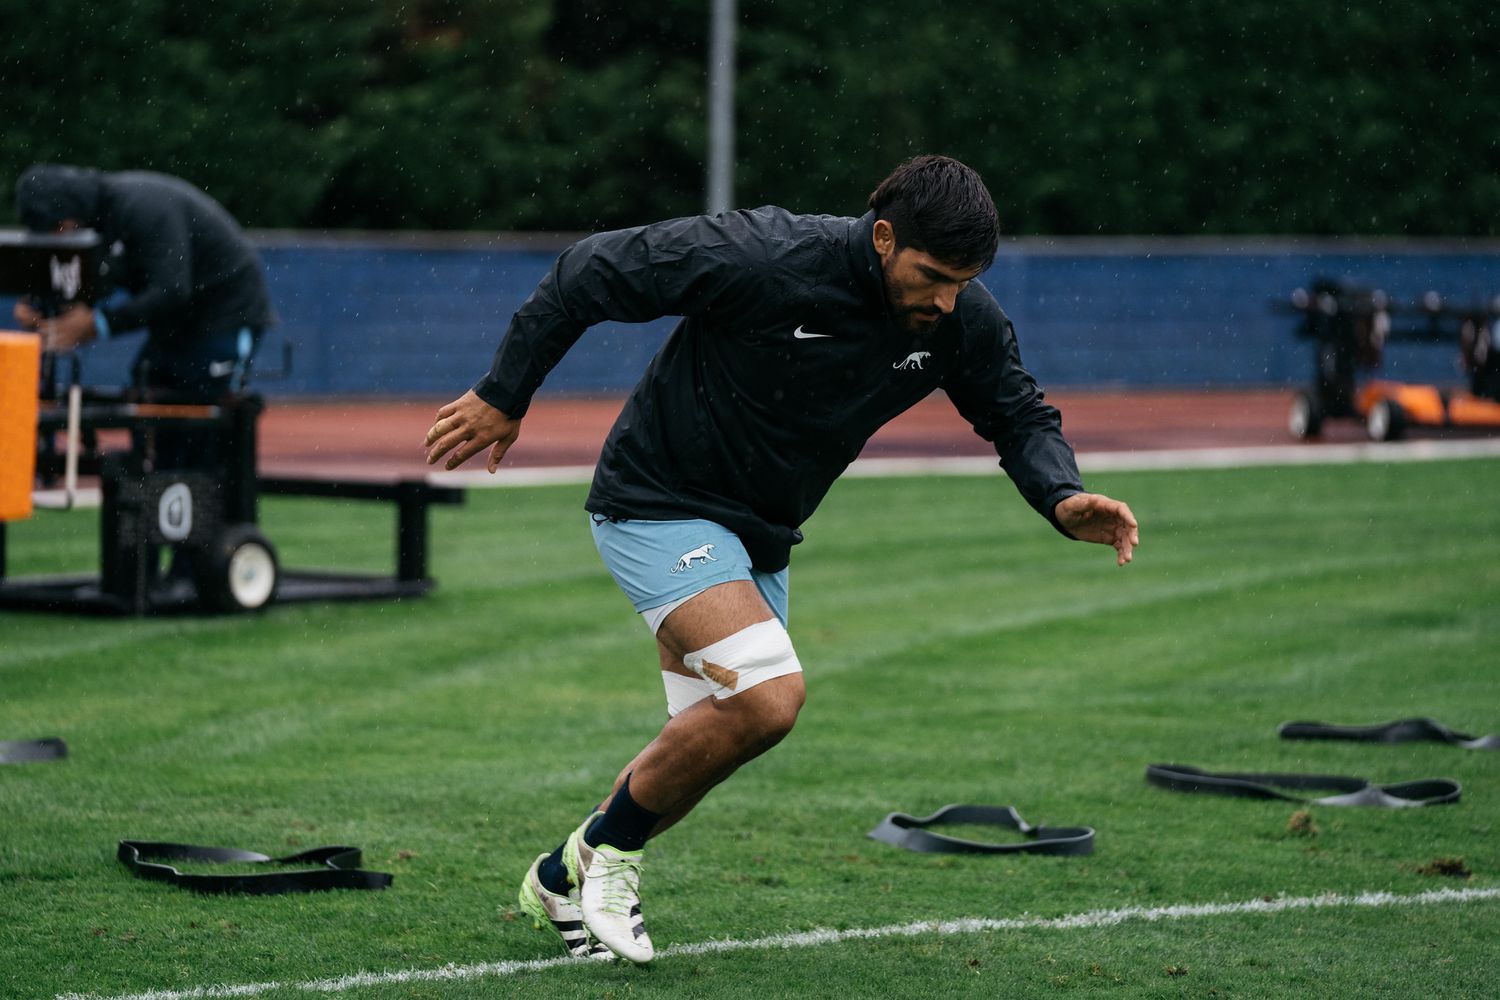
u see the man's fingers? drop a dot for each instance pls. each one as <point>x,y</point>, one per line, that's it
<point>460,448</point>
<point>464,428</point>
<point>470,448</point>
<point>462,454</point>
<point>1127,537</point>
<point>446,443</point>
<point>447,420</point>
<point>440,428</point>
<point>498,450</point>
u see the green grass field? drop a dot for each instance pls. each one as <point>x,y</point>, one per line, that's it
<point>957,650</point>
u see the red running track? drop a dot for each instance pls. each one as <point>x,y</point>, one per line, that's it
<point>363,438</point>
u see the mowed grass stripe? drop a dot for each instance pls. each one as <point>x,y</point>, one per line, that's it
<point>824,938</point>
<point>956,648</point>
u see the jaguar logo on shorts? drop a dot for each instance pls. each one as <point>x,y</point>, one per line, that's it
<point>703,552</point>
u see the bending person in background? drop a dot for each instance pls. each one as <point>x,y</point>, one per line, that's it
<point>192,280</point>
<point>802,335</point>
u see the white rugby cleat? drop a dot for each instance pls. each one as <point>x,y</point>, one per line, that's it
<point>577,854</point>
<point>611,901</point>
<point>562,913</point>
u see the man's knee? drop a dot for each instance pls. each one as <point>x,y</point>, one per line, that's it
<point>748,658</point>
<point>754,672</point>
<point>774,706</point>
<point>761,718</point>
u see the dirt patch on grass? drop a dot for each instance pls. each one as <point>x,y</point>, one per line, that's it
<point>1451,867</point>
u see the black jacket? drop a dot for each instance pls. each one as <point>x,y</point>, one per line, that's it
<point>786,362</point>
<point>184,260</point>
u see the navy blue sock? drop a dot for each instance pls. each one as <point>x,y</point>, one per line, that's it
<point>553,874</point>
<point>625,825</point>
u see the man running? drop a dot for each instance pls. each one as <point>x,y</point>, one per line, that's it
<point>801,336</point>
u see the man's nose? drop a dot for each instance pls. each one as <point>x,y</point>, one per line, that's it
<point>945,299</point>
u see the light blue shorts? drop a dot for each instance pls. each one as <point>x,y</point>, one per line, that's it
<point>660,564</point>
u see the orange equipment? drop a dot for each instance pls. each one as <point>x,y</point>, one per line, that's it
<point>20,368</point>
<point>1389,408</point>
<point>1351,325</point>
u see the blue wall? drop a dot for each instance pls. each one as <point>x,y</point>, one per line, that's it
<point>421,315</point>
<point>1198,314</point>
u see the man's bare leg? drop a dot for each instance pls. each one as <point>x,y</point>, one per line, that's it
<point>708,741</point>
<point>698,748</point>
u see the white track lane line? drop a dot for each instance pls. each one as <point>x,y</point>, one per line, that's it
<point>1089,461</point>
<point>1165,459</point>
<point>818,938</point>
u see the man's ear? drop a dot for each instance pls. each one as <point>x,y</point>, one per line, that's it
<point>884,238</point>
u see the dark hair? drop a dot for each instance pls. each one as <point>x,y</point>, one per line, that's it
<point>939,206</point>
<point>48,193</point>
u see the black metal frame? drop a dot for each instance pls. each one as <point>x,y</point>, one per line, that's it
<point>227,495</point>
<point>1350,325</point>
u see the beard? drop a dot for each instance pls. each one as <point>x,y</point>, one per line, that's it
<point>912,319</point>
<point>918,320</point>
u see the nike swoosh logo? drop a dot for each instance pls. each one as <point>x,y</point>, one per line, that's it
<point>802,334</point>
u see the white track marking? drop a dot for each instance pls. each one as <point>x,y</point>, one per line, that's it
<point>1164,459</point>
<point>1297,454</point>
<point>818,938</point>
<point>1199,458</point>
<point>1092,461</point>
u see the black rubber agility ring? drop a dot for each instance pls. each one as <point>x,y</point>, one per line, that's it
<point>1400,731</point>
<point>912,833</point>
<point>338,869</point>
<point>27,751</point>
<point>1352,791</point>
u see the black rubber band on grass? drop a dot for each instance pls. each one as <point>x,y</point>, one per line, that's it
<point>1400,731</point>
<point>1352,791</point>
<point>29,751</point>
<point>911,833</point>
<point>338,869</point>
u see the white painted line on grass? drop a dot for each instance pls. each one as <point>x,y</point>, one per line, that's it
<point>818,938</point>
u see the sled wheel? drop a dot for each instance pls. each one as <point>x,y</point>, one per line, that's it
<point>1386,421</point>
<point>1305,418</point>
<point>240,570</point>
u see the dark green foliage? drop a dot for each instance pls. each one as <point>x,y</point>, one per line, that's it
<point>1104,116</point>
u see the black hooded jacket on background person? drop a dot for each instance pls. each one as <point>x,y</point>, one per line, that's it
<point>186,264</point>
<point>786,362</point>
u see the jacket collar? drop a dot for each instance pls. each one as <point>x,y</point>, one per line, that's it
<point>864,262</point>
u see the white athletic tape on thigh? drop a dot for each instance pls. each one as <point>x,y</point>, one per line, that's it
<point>749,657</point>
<point>684,692</point>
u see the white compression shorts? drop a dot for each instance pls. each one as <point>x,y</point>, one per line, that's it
<point>735,663</point>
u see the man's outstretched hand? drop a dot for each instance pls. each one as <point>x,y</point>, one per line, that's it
<point>467,426</point>
<point>1091,517</point>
